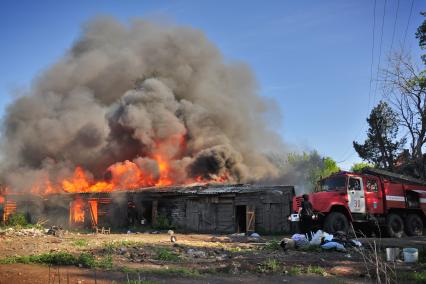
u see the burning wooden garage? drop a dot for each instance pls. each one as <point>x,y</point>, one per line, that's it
<point>207,208</point>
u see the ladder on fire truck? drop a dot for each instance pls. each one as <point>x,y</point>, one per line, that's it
<point>393,176</point>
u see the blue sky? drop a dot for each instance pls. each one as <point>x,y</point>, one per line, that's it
<point>312,57</point>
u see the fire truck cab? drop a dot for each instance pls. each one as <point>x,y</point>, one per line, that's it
<point>380,198</point>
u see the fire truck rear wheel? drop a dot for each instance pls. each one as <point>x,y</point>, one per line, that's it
<point>414,225</point>
<point>336,221</point>
<point>394,226</point>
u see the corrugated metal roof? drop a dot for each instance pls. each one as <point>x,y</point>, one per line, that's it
<point>206,189</point>
<point>214,189</point>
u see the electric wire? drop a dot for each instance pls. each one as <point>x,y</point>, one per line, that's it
<point>408,24</point>
<point>348,153</point>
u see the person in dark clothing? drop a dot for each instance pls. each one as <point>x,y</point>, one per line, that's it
<point>306,215</point>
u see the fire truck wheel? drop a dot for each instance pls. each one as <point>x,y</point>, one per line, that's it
<point>336,221</point>
<point>394,226</point>
<point>414,225</point>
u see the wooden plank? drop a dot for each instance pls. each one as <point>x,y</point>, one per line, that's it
<point>250,218</point>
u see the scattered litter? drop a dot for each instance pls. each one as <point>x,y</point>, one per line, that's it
<point>316,238</point>
<point>173,239</point>
<point>196,253</point>
<point>170,232</point>
<point>255,235</point>
<point>410,255</point>
<point>392,254</point>
<point>287,243</point>
<point>333,245</point>
<point>300,240</point>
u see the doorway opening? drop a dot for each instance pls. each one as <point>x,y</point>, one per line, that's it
<point>241,218</point>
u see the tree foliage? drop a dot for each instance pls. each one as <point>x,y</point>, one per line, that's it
<point>310,167</point>
<point>405,89</point>
<point>358,167</point>
<point>381,147</point>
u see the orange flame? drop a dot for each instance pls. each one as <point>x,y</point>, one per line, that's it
<point>126,175</point>
<point>77,211</point>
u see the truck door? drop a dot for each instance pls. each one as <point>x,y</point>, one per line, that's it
<point>373,195</point>
<point>356,195</point>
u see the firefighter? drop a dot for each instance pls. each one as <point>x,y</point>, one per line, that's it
<point>132,214</point>
<point>306,215</point>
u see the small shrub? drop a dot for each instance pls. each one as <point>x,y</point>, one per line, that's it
<point>86,260</point>
<point>272,245</point>
<point>270,266</point>
<point>163,223</point>
<point>17,220</point>
<point>295,270</point>
<point>105,262</point>
<point>167,255</point>
<point>316,270</point>
<point>81,243</point>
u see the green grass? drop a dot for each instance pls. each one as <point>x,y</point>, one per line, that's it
<point>110,247</point>
<point>413,276</point>
<point>80,243</point>
<point>270,266</point>
<point>294,271</point>
<point>165,254</point>
<point>57,258</point>
<point>316,270</point>
<point>272,245</point>
<point>311,249</point>
<point>171,271</point>
<point>105,262</point>
<point>62,258</point>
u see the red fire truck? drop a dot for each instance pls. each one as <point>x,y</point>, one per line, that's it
<point>386,200</point>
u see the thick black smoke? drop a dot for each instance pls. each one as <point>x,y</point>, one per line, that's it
<point>128,93</point>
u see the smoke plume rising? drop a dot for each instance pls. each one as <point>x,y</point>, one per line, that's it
<point>146,104</point>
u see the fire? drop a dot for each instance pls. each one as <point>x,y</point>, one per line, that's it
<point>77,211</point>
<point>125,175</point>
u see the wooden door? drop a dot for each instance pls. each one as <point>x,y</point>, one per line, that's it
<point>250,218</point>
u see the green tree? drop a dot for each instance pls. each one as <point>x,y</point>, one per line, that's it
<point>358,167</point>
<point>309,167</point>
<point>405,89</point>
<point>421,36</point>
<point>381,146</point>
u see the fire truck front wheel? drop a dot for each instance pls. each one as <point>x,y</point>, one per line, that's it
<point>394,226</point>
<point>336,221</point>
<point>414,225</point>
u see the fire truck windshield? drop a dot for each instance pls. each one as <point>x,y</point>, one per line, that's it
<point>333,184</point>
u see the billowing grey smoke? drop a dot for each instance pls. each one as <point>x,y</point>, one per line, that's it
<point>131,93</point>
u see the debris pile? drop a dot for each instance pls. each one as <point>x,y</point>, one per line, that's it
<point>339,241</point>
<point>29,232</point>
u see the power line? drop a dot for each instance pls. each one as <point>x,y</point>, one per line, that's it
<point>408,23</point>
<point>380,52</point>
<point>348,153</point>
<point>394,26</point>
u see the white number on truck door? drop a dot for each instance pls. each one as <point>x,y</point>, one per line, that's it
<point>356,195</point>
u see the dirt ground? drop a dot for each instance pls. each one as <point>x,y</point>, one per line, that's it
<point>194,258</point>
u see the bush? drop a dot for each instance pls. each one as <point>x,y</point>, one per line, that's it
<point>270,266</point>
<point>163,223</point>
<point>167,255</point>
<point>105,263</point>
<point>272,245</point>
<point>86,260</point>
<point>17,219</point>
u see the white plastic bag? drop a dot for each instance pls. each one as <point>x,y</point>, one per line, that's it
<point>316,238</point>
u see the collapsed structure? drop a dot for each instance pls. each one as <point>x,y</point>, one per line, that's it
<point>201,208</point>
